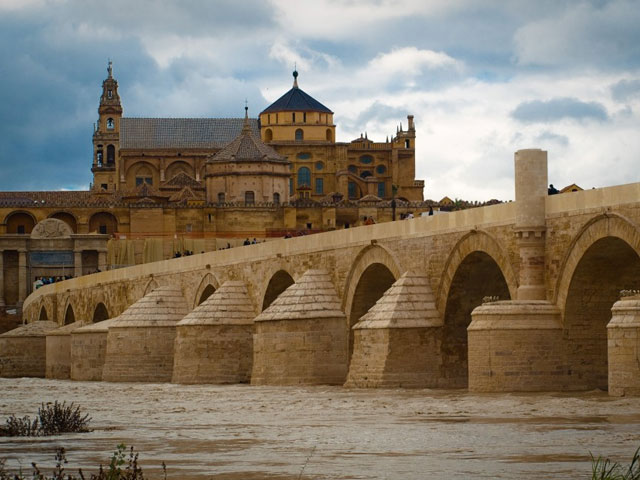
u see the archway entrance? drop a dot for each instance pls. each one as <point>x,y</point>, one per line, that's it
<point>280,281</point>
<point>607,266</point>
<point>476,277</point>
<point>374,281</point>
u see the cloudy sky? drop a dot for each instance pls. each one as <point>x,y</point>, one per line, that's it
<point>482,78</point>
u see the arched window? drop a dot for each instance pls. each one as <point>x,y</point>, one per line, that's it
<point>110,123</point>
<point>329,135</point>
<point>299,135</point>
<point>276,198</point>
<point>407,143</point>
<point>221,197</point>
<point>249,197</point>
<point>304,177</point>
<point>268,134</point>
<point>111,154</point>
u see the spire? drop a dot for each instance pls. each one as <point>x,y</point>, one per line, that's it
<point>110,69</point>
<point>295,78</point>
<point>246,128</point>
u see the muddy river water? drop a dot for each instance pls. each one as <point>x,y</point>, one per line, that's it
<point>245,432</point>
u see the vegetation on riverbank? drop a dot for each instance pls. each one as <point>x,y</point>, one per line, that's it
<point>53,419</point>
<point>121,467</point>
<point>605,469</point>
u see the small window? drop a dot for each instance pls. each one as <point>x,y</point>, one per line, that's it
<point>276,198</point>
<point>111,154</point>
<point>269,118</point>
<point>304,117</point>
<point>299,135</point>
<point>249,197</point>
<point>381,169</point>
<point>104,186</point>
<point>290,186</point>
<point>329,135</point>
<point>189,227</point>
<point>102,229</point>
<point>221,197</point>
<point>268,135</point>
<point>319,165</point>
<point>141,180</point>
<point>366,159</point>
<point>352,190</point>
<point>20,229</point>
<point>407,143</point>
<point>304,156</point>
<point>293,116</point>
<point>109,93</point>
<point>319,186</point>
<point>110,123</point>
<point>381,190</point>
<point>99,157</point>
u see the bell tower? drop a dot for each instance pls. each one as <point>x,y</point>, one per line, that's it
<point>106,137</point>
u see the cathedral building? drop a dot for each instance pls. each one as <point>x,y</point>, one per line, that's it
<point>168,186</point>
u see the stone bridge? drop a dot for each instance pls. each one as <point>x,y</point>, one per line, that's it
<point>545,272</point>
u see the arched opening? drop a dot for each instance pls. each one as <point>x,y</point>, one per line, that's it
<point>268,135</point>
<point>43,314</point>
<point>299,135</point>
<point>206,293</point>
<point>221,197</point>
<point>607,266</point>
<point>276,198</point>
<point>329,135</point>
<point>100,313</point>
<point>104,223</point>
<point>111,154</point>
<point>178,167</point>
<point>280,281</point>
<point>20,222</point>
<point>374,281</point>
<point>68,219</point>
<point>110,123</point>
<point>249,197</point>
<point>477,276</point>
<point>69,316</point>
<point>144,174</point>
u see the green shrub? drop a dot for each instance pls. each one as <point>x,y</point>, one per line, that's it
<point>53,419</point>
<point>605,469</point>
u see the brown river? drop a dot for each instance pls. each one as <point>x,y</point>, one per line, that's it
<point>244,432</point>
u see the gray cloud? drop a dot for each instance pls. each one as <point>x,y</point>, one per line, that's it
<point>558,109</point>
<point>548,137</point>
<point>626,89</point>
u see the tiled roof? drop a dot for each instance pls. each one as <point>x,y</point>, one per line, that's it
<point>181,132</point>
<point>247,147</point>
<point>296,99</point>
<point>43,199</point>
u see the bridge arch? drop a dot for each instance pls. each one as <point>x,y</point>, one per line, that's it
<point>208,285</point>
<point>372,273</point>
<point>279,281</point>
<point>43,313</point>
<point>152,284</point>
<point>477,267</point>
<point>100,313</point>
<point>69,314</point>
<point>603,258</point>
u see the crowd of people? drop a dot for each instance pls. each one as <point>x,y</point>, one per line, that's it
<point>46,280</point>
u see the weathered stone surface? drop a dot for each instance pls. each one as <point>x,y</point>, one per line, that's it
<point>23,350</point>
<point>624,347</point>
<point>88,350</point>
<point>397,343</point>
<point>140,342</point>
<point>214,343</point>
<point>302,337</point>
<point>516,346</point>
<point>59,351</point>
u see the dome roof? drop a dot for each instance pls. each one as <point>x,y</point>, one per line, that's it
<point>296,99</point>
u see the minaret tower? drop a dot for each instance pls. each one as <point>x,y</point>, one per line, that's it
<point>106,136</point>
